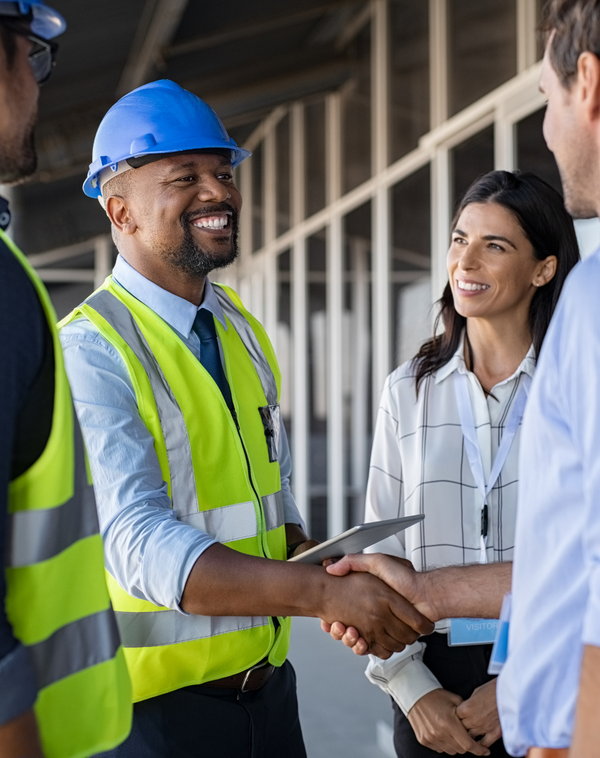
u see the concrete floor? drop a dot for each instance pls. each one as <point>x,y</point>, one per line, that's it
<point>339,708</point>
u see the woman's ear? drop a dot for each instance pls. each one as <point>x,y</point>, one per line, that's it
<point>119,213</point>
<point>546,271</point>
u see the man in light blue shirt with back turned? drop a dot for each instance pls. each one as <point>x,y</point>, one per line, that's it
<point>549,688</point>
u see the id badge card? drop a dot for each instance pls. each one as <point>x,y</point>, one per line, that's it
<point>472,631</point>
<point>500,649</point>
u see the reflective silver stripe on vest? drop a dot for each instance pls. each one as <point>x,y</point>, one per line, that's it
<point>228,523</point>
<point>38,535</point>
<point>273,510</point>
<point>170,627</point>
<point>252,345</point>
<point>179,453</point>
<point>75,647</point>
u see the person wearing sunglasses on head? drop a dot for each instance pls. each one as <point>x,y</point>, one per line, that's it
<point>64,687</point>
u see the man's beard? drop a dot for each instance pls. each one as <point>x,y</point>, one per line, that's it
<point>17,165</point>
<point>194,260</point>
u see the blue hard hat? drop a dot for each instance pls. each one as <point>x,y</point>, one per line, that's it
<point>45,21</point>
<point>155,119</point>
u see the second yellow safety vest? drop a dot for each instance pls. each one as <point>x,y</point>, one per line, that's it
<point>222,474</point>
<point>57,600</point>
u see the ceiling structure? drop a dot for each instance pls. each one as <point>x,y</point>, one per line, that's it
<point>244,57</point>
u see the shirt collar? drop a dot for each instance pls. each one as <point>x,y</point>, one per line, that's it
<point>457,363</point>
<point>177,312</point>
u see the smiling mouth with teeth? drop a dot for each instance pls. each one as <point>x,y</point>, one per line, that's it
<point>212,222</point>
<point>471,286</point>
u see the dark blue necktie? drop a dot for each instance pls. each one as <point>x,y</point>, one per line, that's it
<point>210,358</point>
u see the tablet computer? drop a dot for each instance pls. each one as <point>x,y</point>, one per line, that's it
<point>356,539</point>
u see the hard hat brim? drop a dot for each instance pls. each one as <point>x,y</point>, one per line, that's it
<point>45,21</point>
<point>238,154</point>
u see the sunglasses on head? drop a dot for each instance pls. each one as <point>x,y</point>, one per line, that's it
<point>42,56</point>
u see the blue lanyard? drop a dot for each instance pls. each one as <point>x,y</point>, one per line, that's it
<point>467,424</point>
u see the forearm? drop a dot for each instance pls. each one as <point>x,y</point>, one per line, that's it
<point>19,738</point>
<point>586,736</point>
<point>468,591</point>
<point>224,582</point>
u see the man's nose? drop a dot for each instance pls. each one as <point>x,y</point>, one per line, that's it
<point>211,189</point>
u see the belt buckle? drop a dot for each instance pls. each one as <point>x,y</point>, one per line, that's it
<point>249,674</point>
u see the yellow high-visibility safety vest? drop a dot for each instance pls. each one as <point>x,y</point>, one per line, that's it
<point>222,474</point>
<point>57,600</point>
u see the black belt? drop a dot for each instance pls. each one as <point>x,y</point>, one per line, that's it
<point>252,679</point>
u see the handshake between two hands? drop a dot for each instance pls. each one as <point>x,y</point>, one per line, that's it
<point>441,720</point>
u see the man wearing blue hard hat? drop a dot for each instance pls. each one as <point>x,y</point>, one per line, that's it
<point>64,687</point>
<point>177,389</point>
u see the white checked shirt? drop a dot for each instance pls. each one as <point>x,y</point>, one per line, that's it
<point>419,465</point>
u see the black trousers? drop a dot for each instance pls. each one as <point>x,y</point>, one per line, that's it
<point>458,669</point>
<point>202,722</point>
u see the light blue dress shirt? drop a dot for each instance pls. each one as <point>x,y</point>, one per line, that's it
<point>556,574</point>
<point>148,551</point>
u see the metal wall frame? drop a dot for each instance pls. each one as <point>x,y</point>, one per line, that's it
<point>503,108</point>
<point>255,274</point>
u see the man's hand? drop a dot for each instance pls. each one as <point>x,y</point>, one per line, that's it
<point>385,621</point>
<point>474,591</point>
<point>295,537</point>
<point>436,724</point>
<point>479,714</point>
<point>398,573</point>
<point>349,635</point>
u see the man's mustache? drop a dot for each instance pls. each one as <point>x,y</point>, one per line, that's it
<point>208,209</point>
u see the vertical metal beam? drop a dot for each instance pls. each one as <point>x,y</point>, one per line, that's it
<point>270,259</point>
<point>333,127</point>
<point>297,162</point>
<point>526,34</point>
<point>360,321</point>
<point>504,143</point>
<point>336,510</point>
<point>102,259</point>
<point>440,220</point>
<point>438,61</point>
<point>300,409</point>
<point>380,203</point>
<point>381,311</point>
<point>245,181</point>
<point>379,86</point>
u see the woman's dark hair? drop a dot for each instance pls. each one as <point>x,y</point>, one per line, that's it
<point>540,212</point>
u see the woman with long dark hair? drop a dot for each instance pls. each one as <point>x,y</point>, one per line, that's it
<point>446,444</point>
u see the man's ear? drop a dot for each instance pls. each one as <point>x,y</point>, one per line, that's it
<point>588,84</point>
<point>119,213</point>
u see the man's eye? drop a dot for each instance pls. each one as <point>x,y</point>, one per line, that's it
<point>225,177</point>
